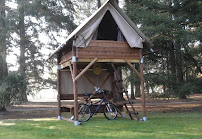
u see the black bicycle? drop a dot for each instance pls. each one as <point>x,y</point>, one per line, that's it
<point>85,110</point>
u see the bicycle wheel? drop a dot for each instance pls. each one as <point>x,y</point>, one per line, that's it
<point>84,113</point>
<point>110,111</point>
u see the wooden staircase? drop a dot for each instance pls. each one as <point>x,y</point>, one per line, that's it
<point>119,90</point>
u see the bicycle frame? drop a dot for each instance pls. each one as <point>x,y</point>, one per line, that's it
<point>100,102</point>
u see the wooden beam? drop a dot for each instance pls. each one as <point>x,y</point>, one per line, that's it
<point>70,67</point>
<point>105,80</point>
<point>85,69</point>
<point>76,117</point>
<point>66,57</point>
<point>131,66</point>
<point>108,60</point>
<point>142,91</point>
<point>155,51</point>
<point>88,80</point>
<point>59,90</point>
<point>64,65</point>
<point>101,43</point>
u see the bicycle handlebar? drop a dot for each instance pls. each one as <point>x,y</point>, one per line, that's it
<point>98,90</point>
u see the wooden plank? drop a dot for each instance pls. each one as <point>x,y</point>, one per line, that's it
<point>64,65</point>
<point>66,57</point>
<point>107,43</point>
<point>108,57</point>
<point>108,49</point>
<point>86,53</point>
<point>108,60</point>
<point>69,96</point>
<point>104,49</point>
<point>107,53</point>
<point>85,69</point>
<point>103,52</point>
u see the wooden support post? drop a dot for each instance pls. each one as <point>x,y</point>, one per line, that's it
<point>59,88</point>
<point>76,118</point>
<point>142,90</point>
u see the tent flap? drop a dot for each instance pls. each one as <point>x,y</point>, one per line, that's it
<point>89,29</point>
<point>133,39</point>
<point>87,32</point>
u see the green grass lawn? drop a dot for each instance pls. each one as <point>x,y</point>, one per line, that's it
<point>173,125</point>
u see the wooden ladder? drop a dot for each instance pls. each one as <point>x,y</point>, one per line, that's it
<point>120,89</point>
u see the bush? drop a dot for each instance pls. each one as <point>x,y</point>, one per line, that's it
<point>193,86</point>
<point>11,90</point>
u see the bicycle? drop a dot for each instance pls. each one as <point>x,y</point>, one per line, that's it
<point>85,110</point>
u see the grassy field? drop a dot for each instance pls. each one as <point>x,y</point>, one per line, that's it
<point>173,125</point>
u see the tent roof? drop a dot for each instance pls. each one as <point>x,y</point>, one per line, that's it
<point>86,30</point>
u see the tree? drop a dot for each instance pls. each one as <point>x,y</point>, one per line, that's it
<point>98,3</point>
<point>11,90</point>
<point>22,43</point>
<point>39,18</point>
<point>172,26</point>
<point>3,47</point>
<point>3,63</point>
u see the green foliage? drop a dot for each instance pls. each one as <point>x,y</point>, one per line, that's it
<point>154,79</point>
<point>11,90</point>
<point>192,86</point>
<point>24,25</point>
<point>174,27</point>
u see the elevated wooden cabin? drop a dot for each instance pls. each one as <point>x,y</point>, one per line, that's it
<point>107,39</point>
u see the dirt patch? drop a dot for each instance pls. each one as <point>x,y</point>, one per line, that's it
<point>49,109</point>
<point>30,110</point>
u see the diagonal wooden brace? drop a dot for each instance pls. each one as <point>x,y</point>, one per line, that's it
<point>131,66</point>
<point>85,69</point>
<point>71,70</point>
<point>88,80</point>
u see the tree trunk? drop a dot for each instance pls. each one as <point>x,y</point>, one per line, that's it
<point>137,84</point>
<point>3,33</point>
<point>137,90</point>
<point>2,108</point>
<point>132,84</point>
<point>172,59</point>
<point>179,64</point>
<point>180,79</point>
<point>22,68</point>
<point>172,68</point>
<point>98,3</point>
<point>117,1</point>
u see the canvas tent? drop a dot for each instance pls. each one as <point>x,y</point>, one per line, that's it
<point>88,28</point>
<point>107,37</point>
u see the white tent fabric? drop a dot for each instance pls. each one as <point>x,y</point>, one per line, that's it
<point>88,28</point>
<point>87,32</point>
<point>133,39</point>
